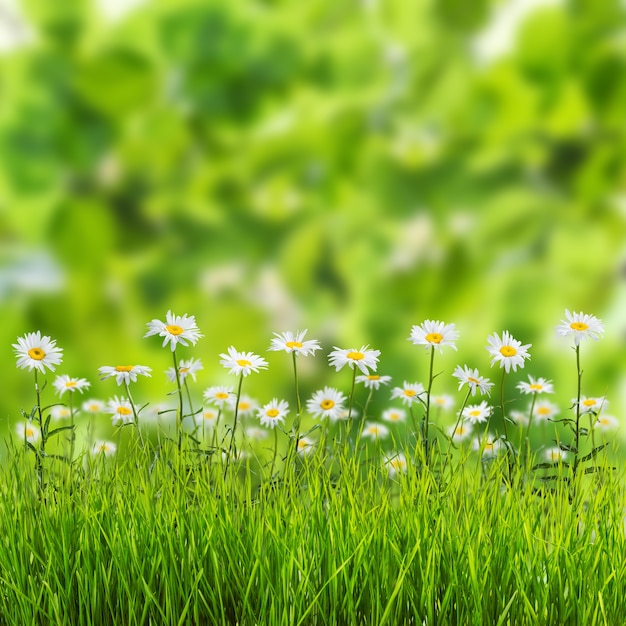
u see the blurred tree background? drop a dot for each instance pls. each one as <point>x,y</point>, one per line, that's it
<point>348,166</point>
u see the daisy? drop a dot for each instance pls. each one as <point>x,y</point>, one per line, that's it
<point>592,405</point>
<point>477,413</point>
<point>186,367</point>
<point>581,326</point>
<point>606,422</point>
<point>471,378</point>
<point>67,383</point>
<point>108,448</point>
<point>242,362</point>
<point>443,402</point>
<point>178,329</point>
<point>206,418</point>
<point>93,406</point>
<point>490,447</point>
<point>28,431</point>
<point>374,431</point>
<point>124,374</point>
<point>218,395</point>
<point>554,455</point>
<point>273,413</point>
<point>409,392</point>
<point>373,381</point>
<point>396,464</point>
<point>545,410</point>
<point>255,434</point>
<point>121,410</point>
<point>363,358</point>
<point>539,385</point>
<point>294,343</point>
<point>394,415</point>
<point>36,352</point>
<point>460,432</point>
<point>327,402</point>
<point>435,334</point>
<point>246,405</point>
<point>305,446</point>
<point>519,417</point>
<point>59,412</point>
<point>509,352</point>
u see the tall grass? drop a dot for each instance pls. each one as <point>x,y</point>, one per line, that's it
<point>135,542</point>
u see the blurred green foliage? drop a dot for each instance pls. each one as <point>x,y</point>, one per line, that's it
<point>352,167</point>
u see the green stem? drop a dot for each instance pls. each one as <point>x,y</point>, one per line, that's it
<point>275,452</point>
<point>232,435</point>
<point>456,425</point>
<point>530,421</point>
<point>44,435</point>
<point>427,414</point>
<point>579,376</point>
<point>135,414</point>
<point>179,414</point>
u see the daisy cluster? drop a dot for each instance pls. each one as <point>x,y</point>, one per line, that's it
<point>39,353</point>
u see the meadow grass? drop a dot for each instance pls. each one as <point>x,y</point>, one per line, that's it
<point>136,542</point>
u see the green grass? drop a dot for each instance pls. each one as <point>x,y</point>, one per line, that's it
<point>138,541</point>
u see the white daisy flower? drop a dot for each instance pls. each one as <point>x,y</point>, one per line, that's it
<point>327,402</point>
<point>394,415</point>
<point>124,374</point>
<point>538,385</point>
<point>519,417</point>
<point>121,410</point>
<point>68,383</point>
<point>544,410</point>
<point>471,378</point>
<point>93,406</point>
<point>294,343</point>
<point>28,431</point>
<point>305,446</point>
<point>247,405</point>
<point>436,334</point>
<point>554,455</point>
<point>253,433</point>
<point>178,329</point>
<point>242,362</point>
<point>273,413</point>
<point>373,381</point>
<point>186,367</point>
<point>506,350</point>
<point>36,352</point>
<point>443,401</point>
<point>396,464</point>
<point>581,326</point>
<point>107,448</point>
<point>374,431</point>
<point>363,358</point>
<point>345,413</point>
<point>460,432</point>
<point>606,422</point>
<point>477,413</point>
<point>218,395</point>
<point>490,447</point>
<point>59,412</point>
<point>592,405</point>
<point>409,392</point>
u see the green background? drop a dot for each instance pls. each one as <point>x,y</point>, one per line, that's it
<point>350,167</point>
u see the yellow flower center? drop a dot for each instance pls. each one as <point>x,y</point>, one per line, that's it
<point>508,351</point>
<point>244,406</point>
<point>172,329</point>
<point>394,417</point>
<point>461,430</point>
<point>474,413</point>
<point>293,344</point>
<point>29,431</point>
<point>355,356</point>
<point>94,407</point>
<point>243,363</point>
<point>589,402</point>
<point>578,326</point>
<point>373,377</point>
<point>409,392</point>
<point>183,370</point>
<point>440,400</point>
<point>122,410</point>
<point>373,430</point>
<point>272,412</point>
<point>535,387</point>
<point>208,415</point>
<point>70,383</point>
<point>488,446</point>
<point>543,410</point>
<point>36,353</point>
<point>221,395</point>
<point>327,404</point>
<point>473,380</point>
<point>124,368</point>
<point>303,444</point>
<point>434,337</point>
<point>397,464</point>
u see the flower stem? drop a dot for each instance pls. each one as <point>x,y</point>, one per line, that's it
<point>427,413</point>
<point>579,376</point>
<point>135,414</point>
<point>179,414</point>
<point>232,434</point>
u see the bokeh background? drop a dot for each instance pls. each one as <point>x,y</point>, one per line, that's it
<point>348,166</point>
